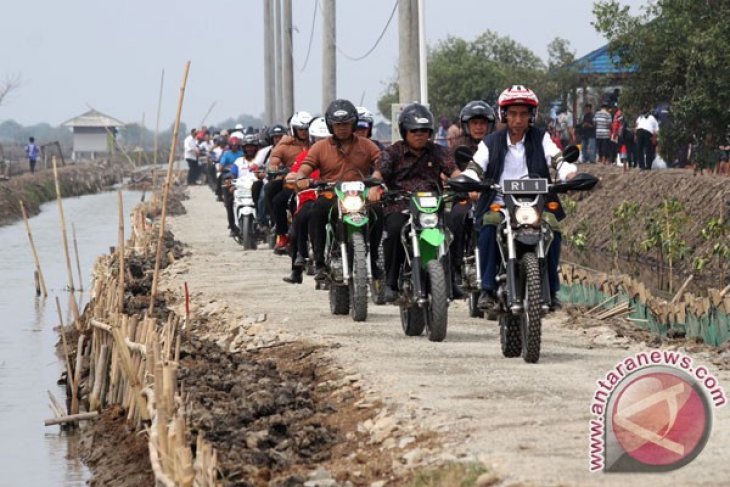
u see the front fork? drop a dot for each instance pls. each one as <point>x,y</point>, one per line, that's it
<point>514,298</point>
<point>416,267</point>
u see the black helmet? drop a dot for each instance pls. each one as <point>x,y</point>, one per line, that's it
<point>476,109</point>
<point>250,139</point>
<point>415,116</point>
<point>340,111</point>
<point>273,131</point>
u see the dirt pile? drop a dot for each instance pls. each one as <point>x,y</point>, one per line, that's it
<point>36,189</point>
<point>701,198</point>
<point>118,456</point>
<point>276,415</point>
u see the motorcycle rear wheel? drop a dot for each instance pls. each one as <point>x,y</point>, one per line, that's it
<point>510,335</point>
<point>413,320</point>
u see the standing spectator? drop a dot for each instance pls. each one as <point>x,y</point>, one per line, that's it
<point>191,156</point>
<point>647,129</point>
<point>453,134</point>
<point>442,133</point>
<point>588,134</point>
<point>613,97</point>
<point>617,127</point>
<point>603,121</point>
<point>32,152</point>
<point>564,127</point>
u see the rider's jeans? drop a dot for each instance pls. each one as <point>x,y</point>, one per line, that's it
<point>489,259</point>
<point>393,252</point>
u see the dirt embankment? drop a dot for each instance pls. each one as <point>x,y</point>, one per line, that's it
<point>598,221</point>
<point>36,189</point>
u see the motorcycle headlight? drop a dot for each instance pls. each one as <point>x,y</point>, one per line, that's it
<point>526,215</point>
<point>428,220</point>
<point>352,204</point>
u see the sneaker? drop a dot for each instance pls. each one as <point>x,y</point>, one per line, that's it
<point>555,303</point>
<point>320,272</point>
<point>390,295</point>
<point>295,277</point>
<point>487,300</point>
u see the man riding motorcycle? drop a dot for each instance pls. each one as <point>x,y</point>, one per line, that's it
<point>519,150</point>
<point>247,164</point>
<point>477,120</point>
<point>344,156</point>
<point>414,164</point>
<point>365,122</point>
<point>228,160</point>
<point>283,156</point>
<point>273,136</point>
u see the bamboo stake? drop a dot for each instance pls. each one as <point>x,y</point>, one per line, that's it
<point>71,418</point>
<point>76,252</point>
<point>69,372</point>
<point>157,126</point>
<point>605,301</point>
<point>74,306</point>
<point>55,404</point>
<point>681,289</point>
<point>120,248</point>
<point>165,194</point>
<point>41,279</point>
<point>95,398</point>
<point>77,374</point>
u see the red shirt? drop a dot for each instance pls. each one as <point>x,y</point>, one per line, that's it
<point>307,194</point>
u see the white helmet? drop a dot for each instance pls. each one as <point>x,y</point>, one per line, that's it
<point>318,129</point>
<point>300,120</point>
<point>239,126</point>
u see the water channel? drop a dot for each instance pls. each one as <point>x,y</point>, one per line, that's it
<point>31,454</point>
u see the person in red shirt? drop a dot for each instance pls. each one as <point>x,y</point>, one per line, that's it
<point>305,202</point>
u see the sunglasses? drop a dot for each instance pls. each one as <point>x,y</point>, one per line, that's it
<point>420,131</point>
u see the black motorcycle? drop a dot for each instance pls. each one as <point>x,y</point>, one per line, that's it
<point>523,238</point>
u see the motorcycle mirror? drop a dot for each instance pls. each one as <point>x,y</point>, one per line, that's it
<point>463,155</point>
<point>581,182</point>
<point>371,182</point>
<point>465,184</point>
<point>571,153</point>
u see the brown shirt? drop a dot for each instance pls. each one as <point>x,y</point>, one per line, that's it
<point>336,162</point>
<point>286,151</point>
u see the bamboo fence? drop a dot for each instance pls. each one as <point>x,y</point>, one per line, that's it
<point>706,317</point>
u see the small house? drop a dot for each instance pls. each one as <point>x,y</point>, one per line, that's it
<point>93,134</point>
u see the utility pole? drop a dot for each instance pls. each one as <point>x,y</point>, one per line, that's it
<point>329,54</point>
<point>287,69</point>
<point>408,83</point>
<point>279,92</point>
<point>269,61</point>
<point>422,52</point>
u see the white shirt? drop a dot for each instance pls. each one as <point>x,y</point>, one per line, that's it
<point>261,155</point>
<point>515,161</point>
<point>648,123</point>
<point>191,147</point>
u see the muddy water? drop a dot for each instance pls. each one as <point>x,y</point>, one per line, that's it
<point>31,454</point>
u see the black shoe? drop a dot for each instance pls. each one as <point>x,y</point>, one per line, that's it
<point>232,233</point>
<point>295,278</point>
<point>457,292</point>
<point>320,272</point>
<point>555,303</point>
<point>487,300</point>
<point>390,295</point>
<point>299,262</point>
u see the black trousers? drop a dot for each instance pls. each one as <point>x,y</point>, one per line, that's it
<point>318,229</point>
<point>272,189</point>
<point>456,222</point>
<point>256,188</point>
<point>393,252</point>
<point>300,231</point>
<point>193,170</point>
<point>228,203</point>
<point>644,149</point>
<point>280,203</point>
<point>32,165</point>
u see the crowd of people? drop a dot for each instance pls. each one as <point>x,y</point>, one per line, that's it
<point>288,163</point>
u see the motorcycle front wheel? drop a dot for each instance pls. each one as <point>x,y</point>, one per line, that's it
<point>531,322</point>
<point>359,279</point>
<point>438,303</point>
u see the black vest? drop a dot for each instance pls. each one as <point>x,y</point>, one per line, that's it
<point>496,142</point>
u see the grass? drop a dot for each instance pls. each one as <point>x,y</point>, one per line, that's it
<point>449,475</point>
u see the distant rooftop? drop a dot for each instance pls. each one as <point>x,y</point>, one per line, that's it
<point>601,62</point>
<point>92,118</point>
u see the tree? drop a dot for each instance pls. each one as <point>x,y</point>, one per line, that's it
<point>460,71</point>
<point>10,84</point>
<point>562,75</point>
<point>681,49</point>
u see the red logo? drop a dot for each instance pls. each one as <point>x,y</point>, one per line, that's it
<point>660,419</point>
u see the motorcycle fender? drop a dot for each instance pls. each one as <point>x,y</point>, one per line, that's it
<point>356,220</point>
<point>432,236</point>
<point>247,210</point>
<point>530,239</point>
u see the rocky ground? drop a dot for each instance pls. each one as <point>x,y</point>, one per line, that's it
<point>423,404</point>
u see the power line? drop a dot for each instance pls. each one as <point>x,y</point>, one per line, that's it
<point>311,36</point>
<point>380,37</point>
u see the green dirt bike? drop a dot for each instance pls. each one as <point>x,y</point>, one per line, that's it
<point>347,255</point>
<point>424,282</point>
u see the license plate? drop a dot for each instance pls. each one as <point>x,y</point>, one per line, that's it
<point>428,202</point>
<point>348,186</point>
<point>525,186</point>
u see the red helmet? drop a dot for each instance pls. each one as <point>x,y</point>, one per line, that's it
<point>516,95</point>
<point>234,141</point>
